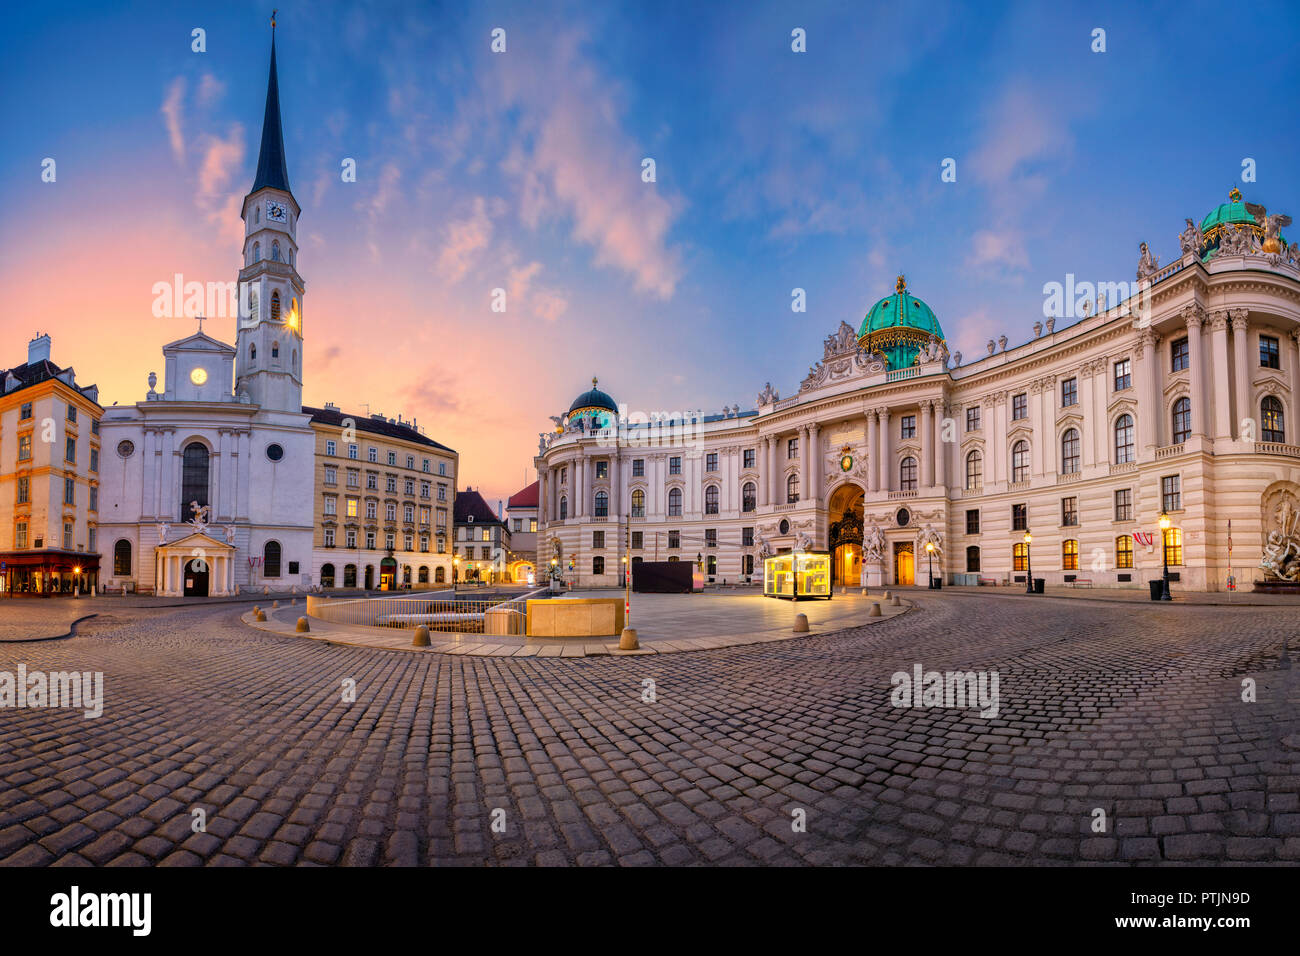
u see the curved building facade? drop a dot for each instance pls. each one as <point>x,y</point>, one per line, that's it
<point>1056,457</point>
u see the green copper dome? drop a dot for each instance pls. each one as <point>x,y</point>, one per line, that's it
<point>1233,211</point>
<point>593,408</point>
<point>899,326</point>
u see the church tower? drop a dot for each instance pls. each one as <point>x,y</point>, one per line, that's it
<point>268,367</point>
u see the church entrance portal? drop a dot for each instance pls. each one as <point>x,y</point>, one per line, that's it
<point>844,514</point>
<point>196,578</point>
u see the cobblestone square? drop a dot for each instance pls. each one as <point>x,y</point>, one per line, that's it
<point>785,753</point>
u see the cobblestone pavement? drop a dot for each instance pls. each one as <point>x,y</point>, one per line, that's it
<point>1135,710</point>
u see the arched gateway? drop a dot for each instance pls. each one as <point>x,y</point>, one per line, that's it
<point>844,520</point>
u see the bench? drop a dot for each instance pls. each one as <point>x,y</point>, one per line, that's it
<point>1081,583</point>
<point>990,582</point>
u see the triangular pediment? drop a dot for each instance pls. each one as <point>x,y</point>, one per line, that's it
<point>198,342</point>
<point>198,539</point>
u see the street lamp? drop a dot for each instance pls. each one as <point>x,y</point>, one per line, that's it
<point>1029,565</point>
<point>455,572</point>
<point>1164,553</point>
<point>929,553</point>
<point>76,582</point>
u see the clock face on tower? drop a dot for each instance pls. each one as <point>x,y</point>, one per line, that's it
<point>275,211</point>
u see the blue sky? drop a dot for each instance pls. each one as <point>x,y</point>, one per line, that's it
<point>522,171</point>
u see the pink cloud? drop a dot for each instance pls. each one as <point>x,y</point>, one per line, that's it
<point>171,111</point>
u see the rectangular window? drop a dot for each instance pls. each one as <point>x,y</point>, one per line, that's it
<point>602,469</point>
<point>791,448</point>
<point>1171,493</point>
<point>710,537</point>
<point>1123,375</point>
<point>69,491</point>
<point>1069,392</point>
<point>24,447</point>
<point>372,481</point>
<point>372,453</point>
<point>1179,357</point>
<point>908,426</point>
<point>390,541</point>
<point>746,537</point>
<point>1174,546</point>
<point>1070,556</point>
<point>408,487</point>
<point>94,537</point>
<point>973,418</point>
<point>94,460</point>
<point>408,515</point>
<point>1019,406</point>
<point>747,458</point>
<point>598,540</point>
<point>330,447</point>
<point>972,521</point>
<point>331,505</point>
<point>352,452</point>
<point>354,478</point>
<point>70,450</point>
<point>25,412</point>
<point>392,458</point>
<point>484,534</point>
<point>24,490</point>
<point>518,525</point>
<point>637,538</point>
<point>674,466</point>
<point>1124,504</point>
<point>532,525</point>
<point>352,506</point>
<point>20,535</point>
<point>352,539</point>
<point>424,516</point>
<point>390,484</point>
<point>442,468</point>
<point>331,475</point>
<point>410,463</point>
<point>94,430</point>
<point>1019,517</point>
<point>1019,556</point>
<point>408,542</point>
<point>67,532</point>
<point>972,559</point>
<point>426,465</point>
<point>1268,352</point>
<point>72,413</point>
<point>638,467</point>
<point>1070,512</point>
<point>1124,551</point>
<point>94,499</point>
<point>711,461</point>
<point>442,492</point>
<point>329,537</point>
<point>674,540</point>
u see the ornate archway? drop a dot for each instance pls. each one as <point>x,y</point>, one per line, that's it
<point>844,514</point>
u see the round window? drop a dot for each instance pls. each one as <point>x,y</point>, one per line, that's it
<point>784,527</point>
<point>126,448</point>
<point>274,452</point>
<point>903,517</point>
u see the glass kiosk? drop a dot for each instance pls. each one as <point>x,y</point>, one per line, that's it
<point>794,576</point>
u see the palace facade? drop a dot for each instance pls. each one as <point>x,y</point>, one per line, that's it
<point>1056,457</point>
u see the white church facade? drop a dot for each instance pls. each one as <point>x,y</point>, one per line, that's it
<point>1160,426</point>
<point>203,483</point>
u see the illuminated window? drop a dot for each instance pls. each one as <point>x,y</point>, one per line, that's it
<point>1070,555</point>
<point>1124,551</point>
<point>1174,546</point>
<point>1270,420</point>
<point>1018,556</point>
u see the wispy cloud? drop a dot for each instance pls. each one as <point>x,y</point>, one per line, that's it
<point>171,111</point>
<point>464,240</point>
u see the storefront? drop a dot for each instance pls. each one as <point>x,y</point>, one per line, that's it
<point>797,575</point>
<point>48,573</point>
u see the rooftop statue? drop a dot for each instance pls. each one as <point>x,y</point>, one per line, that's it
<point>1147,264</point>
<point>1191,239</point>
<point>1272,226</point>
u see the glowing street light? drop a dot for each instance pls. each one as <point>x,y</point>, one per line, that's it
<point>929,553</point>
<point>1164,551</point>
<point>1029,565</point>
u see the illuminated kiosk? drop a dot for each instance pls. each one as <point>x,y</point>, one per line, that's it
<point>797,575</point>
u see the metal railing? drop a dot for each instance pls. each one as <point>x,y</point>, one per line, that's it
<point>439,611</point>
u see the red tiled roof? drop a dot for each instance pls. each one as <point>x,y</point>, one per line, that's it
<point>527,498</point>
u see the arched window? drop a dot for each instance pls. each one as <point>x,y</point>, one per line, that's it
<point>275,250</point>
<point>327,575</point>
<point>1124,439</point>
<point>275,306</point>
<point>271,559</point>
<point>974,470</point>
<point>1182,420</point>
<point>424,574</point>
<point>440,575</point>
<point>564,507</point>
<point>1174,546</point>
<point>638,504</point>
<point>194,477</point>
<point>1020,461</point>
<point>122,558</point>
<point>252,352</point>
<point>1124,551</point>
<point>275,350</point>
<point>748,497</point>
<point>406,574</point>
<point>972,559</point>
<point>598,565</point>
<point>1270,420</point>
<point>675,502</point>
<point>1070,555</point>
<point>257,252</point>
<point>257,215</point>
<point>291,255</point>
<point>907,474</point>
<point>711,500</point>
<point>602,504</point>
<point>792,488</point>
<point>1019,551</point>
<point>349,575</point>
<point>1069,452</point>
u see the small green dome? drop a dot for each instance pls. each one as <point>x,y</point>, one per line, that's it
<point>593,405</point>
<point>899,326</point>
<point>1233,211</point>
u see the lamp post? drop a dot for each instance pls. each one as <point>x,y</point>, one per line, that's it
<point>929,554</point>
<point>1029,565</point>
<point>455,572</point>
<point>76,581</point>
<point>1164,554</point>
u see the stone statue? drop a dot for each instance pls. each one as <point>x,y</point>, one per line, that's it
<point>956,359</point>
<point>930,536</point>
<point>768,395</point>
<point>559,421</point>
<point>541,443</point>
<point>162,531</point>
<point>1281,557</point>
<point>873,544</point>
<point>1272,226</point>
<point>764,548</point>
<point>1087,308</point>
<point>1191,240</point>
<point>200,515</point>
<point>1147,263</point>
<point>805,542</point>
<point>1101,303</point>
<point>230,534</point>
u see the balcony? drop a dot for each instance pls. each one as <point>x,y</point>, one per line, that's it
<point>901,374</point>
<point>1018,486</point>
<point>1068,477</point>
<point>902,495</point>
<point>1123,468</point>
<point>1171,451</point>
<point>1277,448</point>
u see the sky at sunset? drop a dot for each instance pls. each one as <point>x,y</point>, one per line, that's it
<point>522,170</point>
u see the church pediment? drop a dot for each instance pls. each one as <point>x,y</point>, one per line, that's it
<point>199,540</point>
<point>199,342</point>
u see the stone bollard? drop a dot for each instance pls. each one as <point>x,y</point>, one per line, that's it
<point>628,641</point>
<point>895,602</point>
<point>275,605</point>
<point>259,615</point>
<point>266,590</point>
<point>303,627</point>
<point>801,624</point>
<point>888,595</point>
<point>875,609</point>
<point>421,638</point>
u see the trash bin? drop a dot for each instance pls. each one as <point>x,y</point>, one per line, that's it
<point>1157,589</point>
<point>936,583</point>
<point>1039,583</point>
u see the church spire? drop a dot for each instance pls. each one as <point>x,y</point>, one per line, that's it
<point>271,168</point>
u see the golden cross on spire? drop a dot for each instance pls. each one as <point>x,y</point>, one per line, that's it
<point>273,13</point>
<point>593,381</point>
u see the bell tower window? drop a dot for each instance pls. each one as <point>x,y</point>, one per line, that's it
<point>275,250</point>
<point>257,252</point>
<point>275,350</point>
<point>252,353</point>
<point>257,215</point>
<point>275,306</point>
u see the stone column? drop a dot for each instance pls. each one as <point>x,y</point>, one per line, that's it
<point>996,442</point>
<point>873,453</point>
<point>615,490</point>
<point>926,477</point>
<point>170,504</point>
<point>763,470</point>
<point>243,491</point>
<point>885,457</point>
<point>1292,412</point>
<point>148,476</point>
<point>814,461</point>
<point>1240,353</point>
<point>940,449</point>
<point>1222,387</point>
<point>1195,319</point>
<point>1148,367</point>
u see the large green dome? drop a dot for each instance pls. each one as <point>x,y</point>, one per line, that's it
<point>1233,211</point>
<point>592,408</point>
<point>899,326</point>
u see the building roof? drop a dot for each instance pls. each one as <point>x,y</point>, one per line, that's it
<point>470,508</point>
<point>33,373</point>
<point>375,424</point>
<point>272,171</point>
<point>524,498</point>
